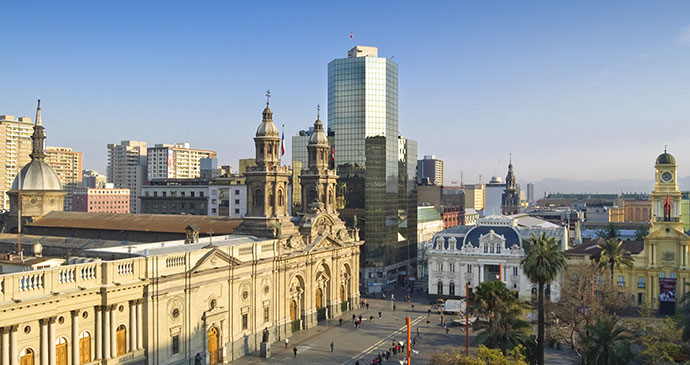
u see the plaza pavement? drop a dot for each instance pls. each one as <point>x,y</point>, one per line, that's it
<point>351,344</point>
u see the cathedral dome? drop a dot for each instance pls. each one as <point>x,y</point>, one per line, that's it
<point>267,127</point>
<point>318,137</point>
<point>665,159</point>
<point>37,175</point>
<point>496,180</point>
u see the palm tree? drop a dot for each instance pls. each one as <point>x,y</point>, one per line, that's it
<point>608,232</point>
<point>613,255</point>
<point>606,343</point>
<point>503,327</point>
<point>544,259</point>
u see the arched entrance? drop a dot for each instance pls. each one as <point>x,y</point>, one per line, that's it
<point>26,357</point>
<point>343,299</point>
<point>121,338</point>
<point>213,345</point>
<point>294,319</point>
<point>84,348</point>
<point>318,294</point>
<point>61,351</point>
<point>296,302</point>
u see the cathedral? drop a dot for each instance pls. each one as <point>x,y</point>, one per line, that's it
<point>510,201</point>
<point>211,299</point>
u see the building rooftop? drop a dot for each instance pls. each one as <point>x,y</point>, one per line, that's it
<point>427,214</point>
<point>592,247</point>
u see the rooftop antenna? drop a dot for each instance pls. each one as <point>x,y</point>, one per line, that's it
<point>665,148</point>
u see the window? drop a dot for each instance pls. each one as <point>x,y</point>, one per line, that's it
<point>451,267</point>
<point>164,194</point>
<point>237,211</point>
<point>640,282</point>
<point>176,344</point>
<point>191,193</point>
<point>621,281</point>
<point>439,289</point>
<point>155,193</point>
<point>439,266</point>
<point>237,192</point>
<point>245,321</point>
<point>486,248</point>
<point>672,275</point>
<point>266,314</point>
<point>201,194</point>
<point>640,298</point>
<point>662,274</point>
<point>451,289</point>
<point>469,268</point>
<point>515,270</point>
<point>237,201</point>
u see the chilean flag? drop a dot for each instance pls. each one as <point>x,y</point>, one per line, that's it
<point>333,153</point>
<point>282,144</point>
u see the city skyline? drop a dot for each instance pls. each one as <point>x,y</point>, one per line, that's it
<point>572,91</point>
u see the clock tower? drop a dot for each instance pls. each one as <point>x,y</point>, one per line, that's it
<point>666,197</point>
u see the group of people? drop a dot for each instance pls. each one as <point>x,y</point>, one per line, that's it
<point>385,355</point>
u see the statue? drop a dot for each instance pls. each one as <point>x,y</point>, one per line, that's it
<point>318,193</point>
<point>354,221</point>
<point>265,335</point>
<point>277,229</point>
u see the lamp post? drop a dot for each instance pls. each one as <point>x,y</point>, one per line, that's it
<point>467,318</point>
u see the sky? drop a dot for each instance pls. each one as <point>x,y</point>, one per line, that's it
<point>574,90</point>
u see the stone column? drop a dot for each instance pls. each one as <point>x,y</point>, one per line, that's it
<point>106,333</point>
<point>75,337</point>
<point>5,343</point>
<point>43,355</point>
<point>14,350</point>
<point>140,325</point>
<point>113,331</point>
<point>481,274</point>
<point>99,333</point>
<point>132,325</point>
<point>51,341</point>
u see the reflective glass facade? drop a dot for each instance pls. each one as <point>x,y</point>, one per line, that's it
<point>363,117</point>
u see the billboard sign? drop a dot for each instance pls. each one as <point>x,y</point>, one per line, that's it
<point>667,289</point>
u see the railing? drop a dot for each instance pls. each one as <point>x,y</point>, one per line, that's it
<point>641,285</point>
<point>670,219</point>
<point>31,284</point>
<point>175,261</point>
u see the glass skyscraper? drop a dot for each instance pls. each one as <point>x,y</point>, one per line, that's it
<point>363,117</point>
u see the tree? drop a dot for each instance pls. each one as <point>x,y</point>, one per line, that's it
<point>641,233</point>
<point>613,255</point>
<point>485,356</point>
<point>660,342</point>
<point>608,232</point>
<point>606,343</point>
<point>544,259</point>
<point>683,317</point>
<point>503,328</point>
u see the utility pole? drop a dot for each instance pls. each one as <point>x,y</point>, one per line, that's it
<point>467,318</point>
<point>19,216</point>
<point>407,320</point>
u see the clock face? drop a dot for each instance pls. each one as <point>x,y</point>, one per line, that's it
<point>666,176</point>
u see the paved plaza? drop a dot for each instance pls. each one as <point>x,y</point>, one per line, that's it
<point>352,344</point>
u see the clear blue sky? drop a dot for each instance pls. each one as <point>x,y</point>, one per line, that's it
<point>573,89</point>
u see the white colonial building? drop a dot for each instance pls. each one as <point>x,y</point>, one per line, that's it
<point>476,254</point>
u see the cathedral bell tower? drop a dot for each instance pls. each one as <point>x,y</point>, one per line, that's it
<point>267,184</point>
<point>510,202</point>
<point>318,181</point>
<point>666,198</point>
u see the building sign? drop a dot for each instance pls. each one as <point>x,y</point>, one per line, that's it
<point>171,172</point>
<point>667,288</point>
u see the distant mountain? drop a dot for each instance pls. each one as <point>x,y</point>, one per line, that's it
<point>598,187</point>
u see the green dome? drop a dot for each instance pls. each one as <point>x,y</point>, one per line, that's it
<point>665,159</point>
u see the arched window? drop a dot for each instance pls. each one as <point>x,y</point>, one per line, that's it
<point>121,337</point>
<point>84,347</point>
<point>451,289</point>
<point>330,198</point>
<point>281,199</point>
<point>26,357</point>
<point>439,289</point>
<point>61,351</point>
<point>311,196</point>
<point>258,198</point>
<point>270,199</point>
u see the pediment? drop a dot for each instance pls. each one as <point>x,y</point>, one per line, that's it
<point>215,259</point>
<point>672,233</point>
<point>324,242</point>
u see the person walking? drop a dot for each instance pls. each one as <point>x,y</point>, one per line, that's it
<point>332,346</point>
<point>428,313</point>
<point>393,307</point>
<point>294,350</point>
<point>353,318</point>
<point>367,304</point>
<point>447,330</point>
<point>379,314</point>
<point>197,359</point>
<point>340,322</point>
<point>286,342</point>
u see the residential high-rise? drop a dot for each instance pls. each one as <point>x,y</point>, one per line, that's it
<point>178,161</point>
<point>14,151</point>
<point>363,116</point>
<point>127,169</point>
<point>530,193</point>
<point>67,164</point>
<point>430,168</point>
<point>104,200</point>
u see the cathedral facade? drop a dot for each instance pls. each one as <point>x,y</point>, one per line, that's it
<point>211,299</point>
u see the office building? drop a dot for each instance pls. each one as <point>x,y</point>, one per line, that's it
<point>176,161</point>
<point>363,117</point>
<point>127,169</point>
<point>493,196</point>
<point>474,196</point>
<point>103,200</point>
<point>67,165</point>
<point>14,151</point>
<point>531,199</point>
<point>430,168</point>
<point>92,179</point>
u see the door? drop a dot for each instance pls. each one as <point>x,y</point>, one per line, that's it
<point>84,348</point>
<point>26,357</point>
<point>293,310</point>
<point>213,345</point>
<point>121,336</point>
<point>61,351</point>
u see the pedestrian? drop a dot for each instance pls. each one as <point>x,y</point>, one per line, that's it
<point>447,330</point>
<point>379,314</point>
<point>393,297</point>
<point>340,322</point>
<point>360,318</point>
<point>332,346</point>
<point>357,362</point>
<point>371,318</point>
<point>393,307</point>
<point>414,341</point>
<point>294,351</point>
<point>412,306</point>
<point>197,359</point>
<point>428,312</point>
<point>286,342</point>
<point>353,318</point>
<point>367,306</point>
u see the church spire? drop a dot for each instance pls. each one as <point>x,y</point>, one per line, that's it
<point>38,137</point>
